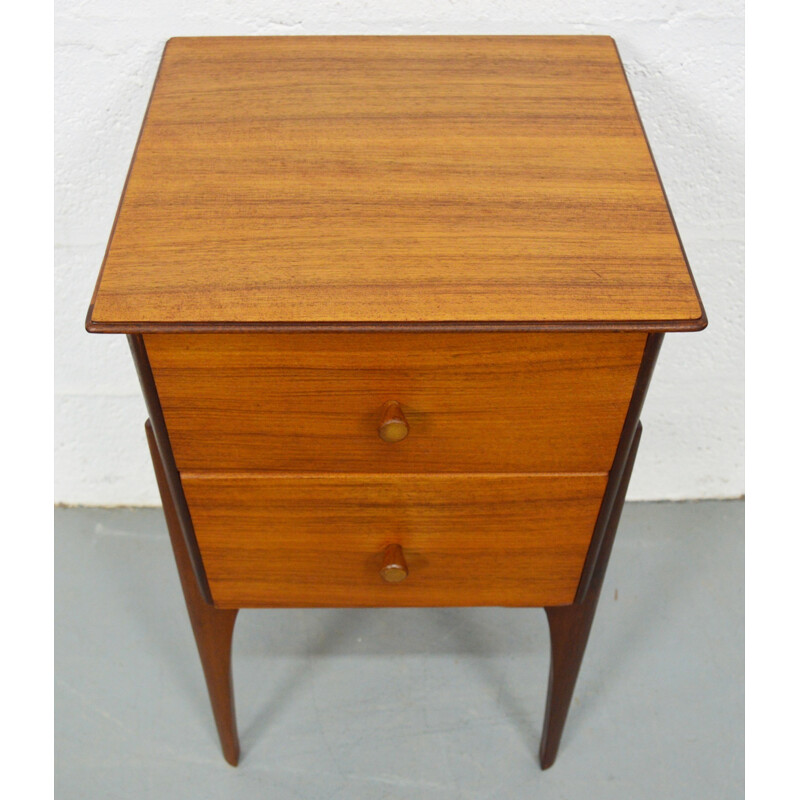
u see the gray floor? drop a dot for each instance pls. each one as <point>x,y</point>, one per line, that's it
<point>424,703</point>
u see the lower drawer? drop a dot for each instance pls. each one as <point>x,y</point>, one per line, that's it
<point>318,540</point>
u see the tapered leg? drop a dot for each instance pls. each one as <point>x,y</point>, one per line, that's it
<point>213,627</point>
<point>570,627</point>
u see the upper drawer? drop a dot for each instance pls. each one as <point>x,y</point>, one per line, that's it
<point>474,402</point>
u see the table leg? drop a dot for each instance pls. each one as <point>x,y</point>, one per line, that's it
<point>213,627</point>
<point>570,627</point>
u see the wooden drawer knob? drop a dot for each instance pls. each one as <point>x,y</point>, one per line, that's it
<point>393,426</point>
<point>394,568</point>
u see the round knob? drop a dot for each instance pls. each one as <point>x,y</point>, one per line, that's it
<point>393,567</point>
<point>393,426</point>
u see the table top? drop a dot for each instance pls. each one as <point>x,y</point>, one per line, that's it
<point>435,182</point>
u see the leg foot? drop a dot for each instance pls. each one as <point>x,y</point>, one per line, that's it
<point>570,627</point>
<point>569,633</point>
<point>213,627</point>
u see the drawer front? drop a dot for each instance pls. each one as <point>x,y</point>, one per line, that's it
<point>495,402</point>
<point>318,540</point>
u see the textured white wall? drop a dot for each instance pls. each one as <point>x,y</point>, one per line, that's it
<point>685,61</point>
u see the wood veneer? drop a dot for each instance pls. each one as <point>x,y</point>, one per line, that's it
<point>472,228</point>
<point>495,402</point>
<point>318,540</point>
<point>496,181</point>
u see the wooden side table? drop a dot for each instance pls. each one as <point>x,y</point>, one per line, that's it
<point>394,303</point>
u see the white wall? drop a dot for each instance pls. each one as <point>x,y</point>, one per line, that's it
<point>685,61</point>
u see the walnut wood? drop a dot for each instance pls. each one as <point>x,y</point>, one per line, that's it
<point>474,181</point>
<point>621,458</point>
<point>393,426</point>
<point>213,628</point>
<point>393,567</point>
<point>571,625</point>
<point>494,402</point>
<point>511,540</point>
<point>167,459</point>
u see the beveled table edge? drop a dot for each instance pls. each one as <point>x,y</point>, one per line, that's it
<point>365,326</point>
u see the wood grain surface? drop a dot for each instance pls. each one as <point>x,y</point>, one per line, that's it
<point>319,540</point>
<point>301,181</point>
<point>496,402</point>
<point>212,627</point>
<point>158,430</point>
<point>570,625</point>
<point>622,460</point>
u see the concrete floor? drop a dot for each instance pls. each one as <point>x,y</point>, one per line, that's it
<point>423,703</point>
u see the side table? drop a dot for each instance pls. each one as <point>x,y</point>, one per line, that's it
<point>394,303</point>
